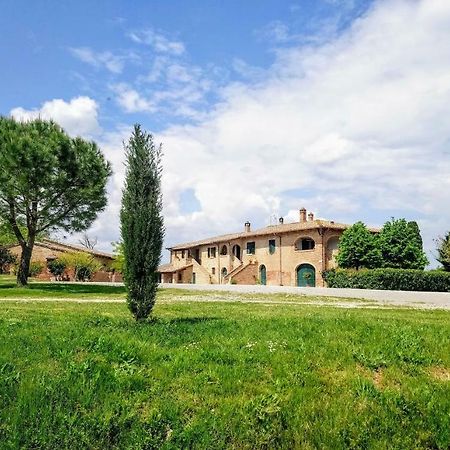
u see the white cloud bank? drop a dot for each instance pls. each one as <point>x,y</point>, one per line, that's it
<point>357,128</point>
<point>357,125</point>
<point>79,116</point>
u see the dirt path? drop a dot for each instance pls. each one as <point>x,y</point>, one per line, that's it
<point>262,299</point>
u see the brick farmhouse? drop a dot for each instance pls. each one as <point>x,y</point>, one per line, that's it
<point>289,254</point>
<point>48,250</point>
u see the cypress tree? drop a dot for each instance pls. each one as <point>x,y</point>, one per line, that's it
<point>142,226</point>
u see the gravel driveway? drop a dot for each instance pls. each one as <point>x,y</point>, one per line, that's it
<point>427,300</point>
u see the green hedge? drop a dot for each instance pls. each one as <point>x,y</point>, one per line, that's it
<point>389,279</point>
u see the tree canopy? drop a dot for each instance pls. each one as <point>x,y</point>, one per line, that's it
<point>401,245</point>
<point>48,181</point>
<point>141,220</point>
<point>358,248</point>
<point>444,251</point>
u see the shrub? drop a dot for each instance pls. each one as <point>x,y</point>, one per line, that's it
<point>7,259</point>
<point>389,279</point>
<point>57,268</point>
<point>83,264</point>
<point>35,269</point>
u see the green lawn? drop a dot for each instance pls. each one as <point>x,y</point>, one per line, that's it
<point>219,375</point>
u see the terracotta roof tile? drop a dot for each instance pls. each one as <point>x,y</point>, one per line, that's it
<point>64,247</point>
<point>267,231</point>
<point>169,268</point>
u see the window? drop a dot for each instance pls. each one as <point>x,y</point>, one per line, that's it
<point>250,248</point>
<point>179,277</point>
<point>305,244</point>
<point>223,250</point>
<point>224,272</point>
<point>211,252</point>
<point>213,270</point>
<point>272,246</point>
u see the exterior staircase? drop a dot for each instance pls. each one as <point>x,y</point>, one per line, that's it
<point>198,268</point>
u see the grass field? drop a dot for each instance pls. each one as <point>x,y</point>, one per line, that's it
<point>218,375</point>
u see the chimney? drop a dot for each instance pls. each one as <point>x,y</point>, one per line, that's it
<point>303,215</point>
<point>310,217</point>
<point>247,226</point>
<point>281,220</point>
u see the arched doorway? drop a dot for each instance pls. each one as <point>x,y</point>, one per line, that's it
<point>262,274</point>
<point>237,251</point>
<point>224,273</point>
<point>306,275</point>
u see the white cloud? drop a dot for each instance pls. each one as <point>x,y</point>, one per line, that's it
<point>79,116</point>
<point>171,87</point>
<point>275,31</point>
<point>130,100</point>
<point>159,42</point>
<point>359,124</point>
<point>111,62</point>
<point>356,128</point>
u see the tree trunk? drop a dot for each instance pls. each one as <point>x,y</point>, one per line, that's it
<point>24,265</point>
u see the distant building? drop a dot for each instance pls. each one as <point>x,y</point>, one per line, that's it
<point>48,250</point>
<point>289,254</point>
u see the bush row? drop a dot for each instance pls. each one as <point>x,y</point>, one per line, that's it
<point>389,279</point>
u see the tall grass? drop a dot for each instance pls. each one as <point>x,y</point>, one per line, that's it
<point>223,375</point>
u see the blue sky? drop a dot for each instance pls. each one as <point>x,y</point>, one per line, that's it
<point>262,107</point>
<point>39,39</point>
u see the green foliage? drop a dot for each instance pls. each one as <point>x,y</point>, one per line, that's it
<point>7,235</point>
<point>358,248</point>
<point>141,220</point>
<point>83,264</point>
<point>35,269</point>
<point>400,244</point>
<point>57,268</point>
<point>217,375</point>
<point>390,279</point>
<point>444,251</point>
<point>119,258</point>
<point>6,259</point>
<point>48,181</point>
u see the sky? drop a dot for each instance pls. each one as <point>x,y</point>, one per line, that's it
<point>262,107</point>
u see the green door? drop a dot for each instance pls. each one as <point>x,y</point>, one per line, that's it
<point>306,275</point>
<point>262,275</point>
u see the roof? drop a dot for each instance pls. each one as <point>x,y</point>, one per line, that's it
<point>66,247</point>
<point>268,231</point>
<point>169,268</point>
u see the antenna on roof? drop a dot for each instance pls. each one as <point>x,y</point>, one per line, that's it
<point>273,219</point>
